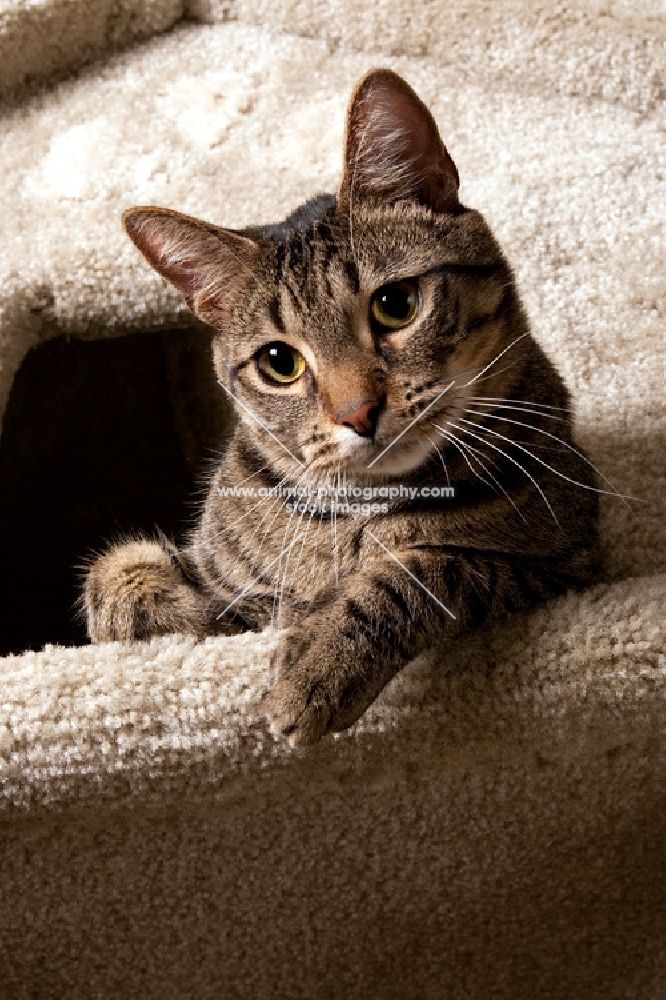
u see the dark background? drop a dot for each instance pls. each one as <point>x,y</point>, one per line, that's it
<point>99,438</point>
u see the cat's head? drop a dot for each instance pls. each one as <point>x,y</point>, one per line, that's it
<point>341,329</point>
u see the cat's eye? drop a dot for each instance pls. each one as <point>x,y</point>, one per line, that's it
<point>394,306</point>
<point>279,362</point>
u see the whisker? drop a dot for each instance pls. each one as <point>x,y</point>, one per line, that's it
<point>458,443</point>
<point>418,417</point>
<point>305,535</point>
<point>480,376</point>
<point>494,407</point>
<point>525,402</point>
<point>466,371</point>
<point>297,531</point>
<point>265,515</point>
<point>494,374</point>
<point>251,476</point>
<point>583,486</point>
<point>488,444</point>
<point>286,563</point>
<point>334,527</point>
<point>250,510</point>
<point>543,447</point>
<point>247,589</point>
<point>497,357</point>
<point>256,419</point>
<point>316,545</point>
<point>260,502</point>
<point>277,602</point>
<point>275,516</point>
<point>446,471</point>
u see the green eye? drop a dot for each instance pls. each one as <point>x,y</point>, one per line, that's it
<point>394,306</point>
<point>280,362</point>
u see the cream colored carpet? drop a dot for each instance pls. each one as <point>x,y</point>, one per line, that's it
<point>494,827</point>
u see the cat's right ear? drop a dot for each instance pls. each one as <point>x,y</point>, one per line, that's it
<point>393,149</point>
<point>206,264</point>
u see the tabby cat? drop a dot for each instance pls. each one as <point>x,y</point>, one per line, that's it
<point>373,342</point>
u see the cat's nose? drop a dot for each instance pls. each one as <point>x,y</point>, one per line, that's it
<point>363,419</point>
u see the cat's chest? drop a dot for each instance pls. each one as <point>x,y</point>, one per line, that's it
<point>299,546</point>
<point>271,535</point>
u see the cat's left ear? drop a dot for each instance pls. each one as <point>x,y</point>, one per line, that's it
<point>393,150</point>
<point>208,265</point>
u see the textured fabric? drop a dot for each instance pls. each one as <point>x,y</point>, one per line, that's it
<point>493,826</point>
<point>40,38</point>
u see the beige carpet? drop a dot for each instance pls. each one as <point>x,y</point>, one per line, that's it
<point>494,826</point>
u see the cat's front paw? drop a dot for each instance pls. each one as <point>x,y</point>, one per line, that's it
<point>135,591</point>
<point>315,689</point>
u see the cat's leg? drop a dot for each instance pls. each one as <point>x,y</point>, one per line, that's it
<point>140,588</point>
<point>332,665</point>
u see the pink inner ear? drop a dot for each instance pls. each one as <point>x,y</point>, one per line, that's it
<point>393,148</point>
<point>174,247</point>
<point>421,146</point>
<point>395,112</point>
<point>207,265</point>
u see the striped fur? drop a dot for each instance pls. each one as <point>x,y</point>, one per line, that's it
<point>362,593</point>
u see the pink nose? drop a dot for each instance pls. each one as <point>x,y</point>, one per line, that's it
<point>363,420</point>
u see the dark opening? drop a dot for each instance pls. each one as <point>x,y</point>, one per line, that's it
<point>99,438</point>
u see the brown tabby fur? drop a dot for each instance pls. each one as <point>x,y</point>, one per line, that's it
<point>523,524</point>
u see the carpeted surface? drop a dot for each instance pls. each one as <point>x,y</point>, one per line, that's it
<point>493,827</point>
